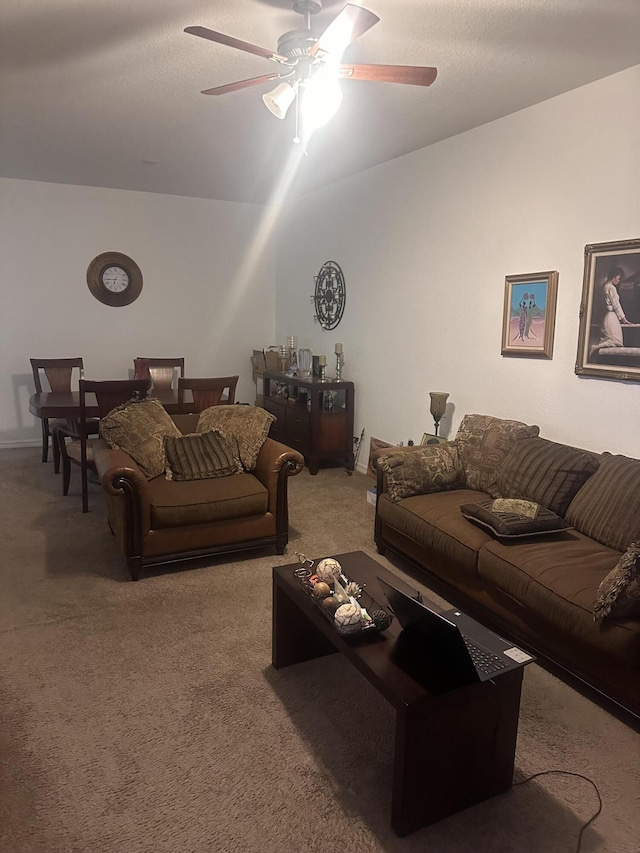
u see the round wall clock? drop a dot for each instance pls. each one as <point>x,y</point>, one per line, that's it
<point>330,295</point>
<point>115,279</point>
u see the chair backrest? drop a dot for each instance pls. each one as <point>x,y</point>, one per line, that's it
<point>111,393</point>
<point>58,372</point>
<point>161,370</point>
<point>206,392</point>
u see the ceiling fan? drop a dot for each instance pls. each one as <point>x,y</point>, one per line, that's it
<point>313,63</point>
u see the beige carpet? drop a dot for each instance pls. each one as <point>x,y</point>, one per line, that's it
<point>146,718</point>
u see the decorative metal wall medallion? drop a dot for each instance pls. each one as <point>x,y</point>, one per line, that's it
<point>330,295</point>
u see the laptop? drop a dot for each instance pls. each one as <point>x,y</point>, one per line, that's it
<point>448,649</point>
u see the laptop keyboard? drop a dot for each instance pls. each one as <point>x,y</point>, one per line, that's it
<point>483,660</point>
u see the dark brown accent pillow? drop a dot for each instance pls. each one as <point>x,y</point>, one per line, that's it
<point>426,469</point>
<point>545,472</point>
<point>619,593</point>
<point>607,507</point>
<point>483,443</point>
<point>199,456</point>
<point>513,524</point>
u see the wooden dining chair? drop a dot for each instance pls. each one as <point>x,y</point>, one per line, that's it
<point>161,371</point>
<point>59,375</point>
<point>79,448</point>
<point>206,392</point>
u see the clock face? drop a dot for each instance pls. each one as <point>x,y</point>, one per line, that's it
<point>115,279</point>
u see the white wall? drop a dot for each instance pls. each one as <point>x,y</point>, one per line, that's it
<point>208,291</point>
<point>425,243</point>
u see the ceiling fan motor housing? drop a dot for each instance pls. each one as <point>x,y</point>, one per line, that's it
<point>307,7</point>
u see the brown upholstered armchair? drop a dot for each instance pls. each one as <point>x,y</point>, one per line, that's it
<point>161,521</point>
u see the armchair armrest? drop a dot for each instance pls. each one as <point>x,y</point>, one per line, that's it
<point>122,479</point>
<point>276,462</point>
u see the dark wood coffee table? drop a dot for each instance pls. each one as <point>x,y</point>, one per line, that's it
<point>452,749</point>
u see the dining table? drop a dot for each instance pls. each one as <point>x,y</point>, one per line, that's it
<point>55,404</point>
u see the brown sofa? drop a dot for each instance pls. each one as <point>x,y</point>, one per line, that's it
<point>158,521</point>
<point>539,592</point>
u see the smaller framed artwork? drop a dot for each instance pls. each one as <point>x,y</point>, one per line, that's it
<point>430,438</point>
<point>609,332</point>
<point>529,316</point>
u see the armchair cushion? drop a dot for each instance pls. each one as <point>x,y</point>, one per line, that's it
<point>427,469</point>
<point>139,428</point>
<point>245,427</point>
<point>180,504</point>
<point>199,456</point>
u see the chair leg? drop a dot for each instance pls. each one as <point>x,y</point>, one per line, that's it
<point>45,439</point>
<point>135,567</point>
<point>85,489</point>
<point>55,446</point>
<point>66,469</point>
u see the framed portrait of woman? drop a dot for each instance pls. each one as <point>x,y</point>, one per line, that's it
<point>609,332</point>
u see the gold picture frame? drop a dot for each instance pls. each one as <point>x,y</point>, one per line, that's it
<point>609,330</point>
<point>529,314</point>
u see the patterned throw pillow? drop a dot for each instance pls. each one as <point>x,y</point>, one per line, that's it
<point>199,456</point>
<point>607,507</point>
<point>545,472</point>
<point>484,443</point>
<point>427,469</point>
<point>619,592</point>
<point>244,427</point>
<point>139,428</point>
<point>507,520</point>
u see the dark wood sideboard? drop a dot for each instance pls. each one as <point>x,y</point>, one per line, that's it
<point>313,416</point>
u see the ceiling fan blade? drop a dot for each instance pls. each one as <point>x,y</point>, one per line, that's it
<point>221,38</point>
<point>349,25</point>
<point>414,75</point>
<point>242,84</point>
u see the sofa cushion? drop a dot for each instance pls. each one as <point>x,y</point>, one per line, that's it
<point>199,456</point>
<point>434,523</point>
<point>545,472</point>
<point>619,592</point>
<point>139,428</point>
<point>555,582</point>
<point>426,469</point>
<point>513,519</point>
<point>483,444</point>
<point>179,504</point>
<point>246,427</point>
<point>607,507</point>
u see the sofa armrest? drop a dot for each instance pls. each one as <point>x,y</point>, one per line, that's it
<point>122,479</point>
<point>276,462</point>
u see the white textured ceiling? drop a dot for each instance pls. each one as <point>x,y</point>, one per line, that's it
<point>91,89</point>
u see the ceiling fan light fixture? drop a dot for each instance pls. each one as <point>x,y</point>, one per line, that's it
<point>279,100</point>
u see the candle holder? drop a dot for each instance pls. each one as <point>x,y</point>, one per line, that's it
<point>339,365</point>
<point>438,406</point>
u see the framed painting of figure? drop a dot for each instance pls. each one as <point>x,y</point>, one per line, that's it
<point>609,332</point>
<point>529,316</point>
